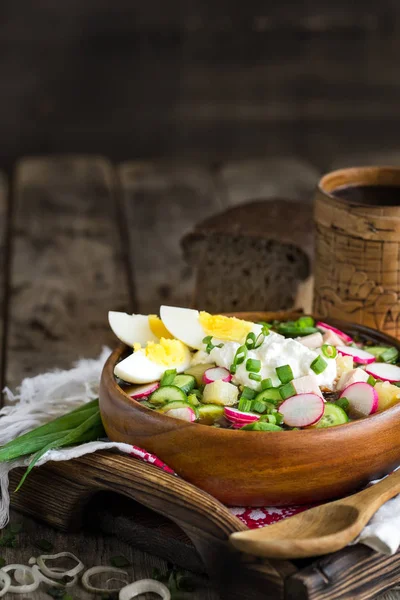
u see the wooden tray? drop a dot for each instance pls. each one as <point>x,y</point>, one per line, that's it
<point>192,531</point>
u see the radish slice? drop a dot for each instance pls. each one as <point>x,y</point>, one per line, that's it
<point>302,410</point>
<point>363,399</point>
<point>142,391</point>
<point>238,417</point>
<point>216,374</point>
<point>326,327</point>
<point>185,414</point>
<point>385,372</point>
<point>359,356</point>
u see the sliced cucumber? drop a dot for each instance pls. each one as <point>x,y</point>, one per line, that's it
<point>333,415</point>
<point>198,371</point>
<point>269,395</point>
<point>210,412</point>
<point>167,393</point>
<point>193,399</point>
<point>185,382</point>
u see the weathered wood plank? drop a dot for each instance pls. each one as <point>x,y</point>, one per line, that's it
<point>284,177</point>
<point>162,201</point>
<point>92,549</point>
<point>67,269</point>
<point>4,255</point>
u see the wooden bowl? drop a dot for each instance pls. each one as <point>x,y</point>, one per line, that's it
<point>246,468</point>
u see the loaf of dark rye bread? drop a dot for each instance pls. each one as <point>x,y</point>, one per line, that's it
<point>252,256</point>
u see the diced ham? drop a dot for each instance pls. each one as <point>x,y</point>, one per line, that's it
<point>331,338</point>
<point>314,340</point>
<point>353,376</point>
<point>307,385</point>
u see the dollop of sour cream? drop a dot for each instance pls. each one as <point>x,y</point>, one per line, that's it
<point>276,351</point>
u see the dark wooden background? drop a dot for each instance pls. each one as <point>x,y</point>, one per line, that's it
<point>212,79</point>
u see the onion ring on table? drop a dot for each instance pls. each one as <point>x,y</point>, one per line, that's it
<point>25,588</point>
<point>95,571</point>
<point>53,582</point>
<point>142,587</point>
<point>56,573</point>
<point>6,580</point>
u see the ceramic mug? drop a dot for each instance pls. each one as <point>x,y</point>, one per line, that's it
<point>357,254</point>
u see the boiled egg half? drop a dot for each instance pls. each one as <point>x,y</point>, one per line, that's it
<point>149,364</point>
<point>191,326</point>
<point>137,329</point>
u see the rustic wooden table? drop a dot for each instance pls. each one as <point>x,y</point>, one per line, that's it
<point>80,236</point>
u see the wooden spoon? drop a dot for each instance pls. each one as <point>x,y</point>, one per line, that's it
<point>320,530</point>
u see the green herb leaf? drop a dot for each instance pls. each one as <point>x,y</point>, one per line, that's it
<point>120,561</point>
<point>209,344</point>
<point>168,377</point>
<point>9,537</point>
<point>56,592</point>
<point>91,429</point>
<point>44,545</point>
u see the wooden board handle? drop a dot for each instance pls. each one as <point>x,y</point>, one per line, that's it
<point>58,490</point>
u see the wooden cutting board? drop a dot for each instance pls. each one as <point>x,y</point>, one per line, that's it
<point>162,514</point>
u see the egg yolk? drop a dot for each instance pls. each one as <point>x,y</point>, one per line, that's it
<point>158,328</point>
<point>167,352</point>
<point>225,328</point>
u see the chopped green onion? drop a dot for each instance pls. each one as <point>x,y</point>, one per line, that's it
<point>279,418</point>
<point>265,327</point>
<point>245,405</point>
<point>329,351</point>
<point>343,403</point>
<point>284,373</point>
<point>258,406</point>
<point>318,365</point>
<point>371,380</point>
<point>209,345</point>
<point>240,357</point>
<point>390,355</point>
<point>266,383</point>
<point>269,395</point>
<point>168,377</point>
<point>254,376</point>
<point>248,393</point>
<point>305,322</point>
<point>253,365</point>
<point>287,390</point>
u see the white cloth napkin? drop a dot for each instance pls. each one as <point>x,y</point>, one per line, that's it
<point>45,397</point>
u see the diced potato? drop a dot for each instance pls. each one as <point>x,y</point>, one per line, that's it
<point>388,394</point>
<point>221,393</point>
<point>343,364</point>
<point>353,376</point>
<point>197,371</point>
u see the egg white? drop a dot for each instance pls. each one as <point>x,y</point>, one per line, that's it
<point>131,329</point>
<point>138,368</point>
<point>184,325</point>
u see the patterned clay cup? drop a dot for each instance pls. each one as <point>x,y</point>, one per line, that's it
<point>357,258</point>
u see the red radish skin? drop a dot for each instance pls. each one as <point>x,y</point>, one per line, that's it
<point>185,414</point>
<point>142,391</point>
<point>384,372</point>
<point>362,357</point>
<point>302,410</point>
<point>325,327</point>
<point>238,417</point>
<point>363,399</point>
<point>216,374</point>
